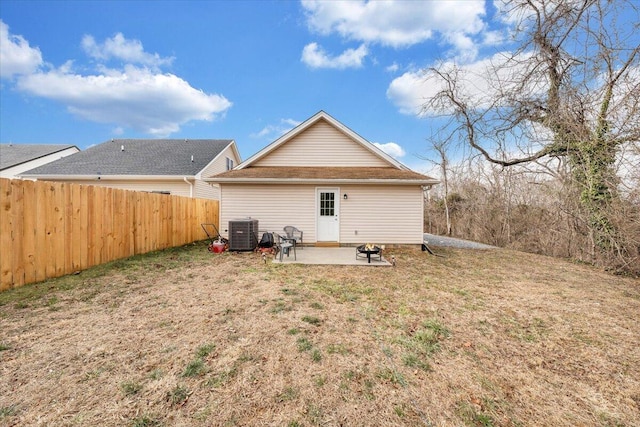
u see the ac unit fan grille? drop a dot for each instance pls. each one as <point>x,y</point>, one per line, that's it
<point>243,234</point>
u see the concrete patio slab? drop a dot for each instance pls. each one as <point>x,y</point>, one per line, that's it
<point>329,256</point>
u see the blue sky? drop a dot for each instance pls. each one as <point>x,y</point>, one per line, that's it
<point>87,71</point>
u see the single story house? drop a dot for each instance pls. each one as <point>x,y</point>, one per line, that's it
<point>168,166</point>
<point>18,158</point>
<point>329,182</point>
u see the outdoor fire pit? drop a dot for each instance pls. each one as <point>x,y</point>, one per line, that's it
<point>365,251</point>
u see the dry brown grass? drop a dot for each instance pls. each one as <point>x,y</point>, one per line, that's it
<point>184,337</point>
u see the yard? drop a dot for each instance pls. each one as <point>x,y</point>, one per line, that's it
<point>185,337</point>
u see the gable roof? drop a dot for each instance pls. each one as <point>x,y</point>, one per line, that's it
<point>394,174</point>
<point>16,154</point>
<point>321,115</point>
<point>138,157</point>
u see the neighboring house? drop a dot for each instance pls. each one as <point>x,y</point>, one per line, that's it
<point>329,182</point>
<point>18,158</point>
<point>170,166</point>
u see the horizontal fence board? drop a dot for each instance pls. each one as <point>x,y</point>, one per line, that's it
<point>49,229</point>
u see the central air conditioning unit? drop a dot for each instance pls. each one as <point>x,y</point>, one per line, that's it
<point>243,234</point>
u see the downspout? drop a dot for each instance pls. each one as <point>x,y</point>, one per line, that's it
<point>190,186</point>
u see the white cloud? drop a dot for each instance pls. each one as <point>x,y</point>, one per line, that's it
<point>135,98</point>
<point>16,56</point>
<point>477,83</point>
<point>118,47</point>
<point>465,49</point>
<point>409,91</point>
<point>391,148</point>
<point>394,23</point>
<point>277,130</point>
<point>392,68</point>
<point>315,57</point>
<point>137,95</point>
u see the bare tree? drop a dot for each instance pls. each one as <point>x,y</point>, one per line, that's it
<point>440,145</point>
<point>570,90</point>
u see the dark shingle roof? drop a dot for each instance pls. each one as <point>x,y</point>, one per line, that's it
<point>138,157</point>
<point>15,154</point>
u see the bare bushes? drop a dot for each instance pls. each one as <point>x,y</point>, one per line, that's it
<point>534,211</point>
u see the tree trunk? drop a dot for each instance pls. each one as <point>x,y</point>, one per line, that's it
<point>592,169</point>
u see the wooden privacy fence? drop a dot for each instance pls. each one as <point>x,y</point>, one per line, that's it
<point>49,229</point>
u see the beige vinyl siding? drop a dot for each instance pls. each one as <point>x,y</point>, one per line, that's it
<point>220,163</point>
<point>204,190</point>
<point>274,206</point>
<point>321,145</point>
<point>176,188</point>
<point>381,214</point>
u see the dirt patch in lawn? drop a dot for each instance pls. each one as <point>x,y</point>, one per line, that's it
<point>185,337</point>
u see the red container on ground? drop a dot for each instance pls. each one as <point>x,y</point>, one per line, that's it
<point>218,247</point>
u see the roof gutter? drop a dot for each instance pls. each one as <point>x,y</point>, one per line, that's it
<point>190,186</point>
<point>97,177</point>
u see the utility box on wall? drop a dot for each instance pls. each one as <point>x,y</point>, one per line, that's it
<point>243,234</point>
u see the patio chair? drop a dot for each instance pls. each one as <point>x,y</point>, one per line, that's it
<point>284,245</point>
<point>294,234</point>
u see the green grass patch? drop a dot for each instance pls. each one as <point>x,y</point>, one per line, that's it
<point>178,395</point>
<point>204,350</point>
<point>312,320</point>
<point>287,394</point>
<point>156,374</point>
<point>426,339</point>
<point>474,417</point>
<point>221,378</point>
<point>304,344</point>
<point>281,306</point>
<point>316,305</point>
<point>342,292</point>
<point>338,349</point>
<point>391,376</point>
<point>8,411</point>
<point>45,293</point>
<point>195,368</point>
<point>320,380</point>
<point>399,411</point>
<point>145,421</point>
<point>130,388</point>
<point>412,360</point>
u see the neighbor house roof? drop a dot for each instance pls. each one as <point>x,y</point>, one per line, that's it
<point>138,157</point>
<point>16,154</point>
<point>323,174</point>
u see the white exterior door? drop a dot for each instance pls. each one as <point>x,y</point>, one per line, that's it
<point>327,214</point>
